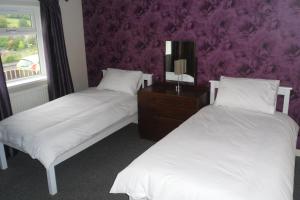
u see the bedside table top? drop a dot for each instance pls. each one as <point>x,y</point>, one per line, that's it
<point>169,89</point>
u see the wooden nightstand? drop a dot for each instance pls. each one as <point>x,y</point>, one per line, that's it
<point>161,109</point>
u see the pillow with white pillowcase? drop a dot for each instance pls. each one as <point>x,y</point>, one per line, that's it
<point>251,94</point>
<point>121,80</point>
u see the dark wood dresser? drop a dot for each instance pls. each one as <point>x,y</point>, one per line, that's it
<point>161,109</point>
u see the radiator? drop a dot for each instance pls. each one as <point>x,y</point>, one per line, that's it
<point>29,98</point>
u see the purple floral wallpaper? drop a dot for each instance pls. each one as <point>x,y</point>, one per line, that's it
<point>249,38</point>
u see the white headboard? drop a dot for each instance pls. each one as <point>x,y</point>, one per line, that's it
<point>146,77</point>
<point>284,91</point>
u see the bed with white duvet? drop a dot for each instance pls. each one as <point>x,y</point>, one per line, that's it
<point>47,131</point>
<point>219,153</point>
<point>58,130</point>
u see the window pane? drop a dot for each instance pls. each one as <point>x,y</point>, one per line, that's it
<point>15,21</point>
<point>19,56</point>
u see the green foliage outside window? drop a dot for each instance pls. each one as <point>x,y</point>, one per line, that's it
<point>3,22</point>
<point>15,21</point>
<point>14,48</point>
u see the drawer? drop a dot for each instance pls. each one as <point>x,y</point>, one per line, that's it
<point>170,101</point>
<point>174,113</point>
<point>176,102</point>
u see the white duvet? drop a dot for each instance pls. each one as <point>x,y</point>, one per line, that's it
<point>219,153</point>
<point>47,131</point>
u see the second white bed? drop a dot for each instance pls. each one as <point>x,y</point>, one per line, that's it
<point>219,153</point>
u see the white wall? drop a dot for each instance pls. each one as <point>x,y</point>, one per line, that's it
<point>74,36</point>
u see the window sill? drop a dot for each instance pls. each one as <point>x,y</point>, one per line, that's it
<point>14,86</point>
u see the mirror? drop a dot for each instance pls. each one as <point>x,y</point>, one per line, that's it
<point>179,53</point>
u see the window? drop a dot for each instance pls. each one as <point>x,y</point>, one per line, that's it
<point>21,43</point>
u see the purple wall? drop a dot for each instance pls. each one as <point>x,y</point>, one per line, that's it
<point>249,38</point>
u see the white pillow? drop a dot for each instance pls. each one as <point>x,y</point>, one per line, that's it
<point>250,94</point>
<point>140,83</point>
<point>121,80</point>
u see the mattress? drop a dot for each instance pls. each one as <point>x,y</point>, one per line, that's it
<point>219,153</point>
<point>49,130</point>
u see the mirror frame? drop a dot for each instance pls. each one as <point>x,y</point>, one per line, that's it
<point>195,65</point>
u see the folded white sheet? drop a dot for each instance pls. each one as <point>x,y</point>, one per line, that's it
<point>47,131</point>
<point>219,153</point>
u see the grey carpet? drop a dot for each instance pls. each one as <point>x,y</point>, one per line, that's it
<point>88,175</point>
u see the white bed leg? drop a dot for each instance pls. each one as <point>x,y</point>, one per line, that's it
<point>136,120</point>
<point>297,153</point>
<point>130,198</point>
<point>3,162</point>
<point>51,180</point>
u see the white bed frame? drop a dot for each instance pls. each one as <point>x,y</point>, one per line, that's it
<point>52,186</point>
<point>284,91</point>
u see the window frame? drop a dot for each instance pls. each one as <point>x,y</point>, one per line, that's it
<point>32,9</point>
